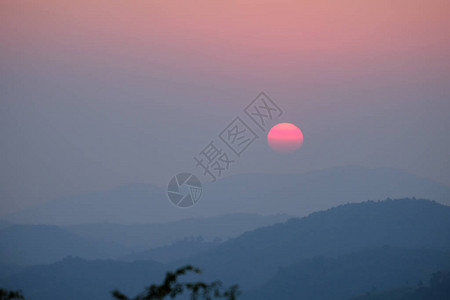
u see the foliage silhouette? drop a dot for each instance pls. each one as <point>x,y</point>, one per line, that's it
<point>172,288</point>
<point>10,295</point>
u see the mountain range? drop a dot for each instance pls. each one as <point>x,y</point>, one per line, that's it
<point>41,244</point>
<point>336,253</point>
<point>265,194</point>
<point>254,257</point>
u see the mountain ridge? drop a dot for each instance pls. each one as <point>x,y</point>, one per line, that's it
<point>296,194</point>
<point>356,237</point>
<point>336,231</point>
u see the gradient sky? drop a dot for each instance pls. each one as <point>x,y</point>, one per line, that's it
<point>96,94</point>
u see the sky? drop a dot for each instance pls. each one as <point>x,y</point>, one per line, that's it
<point>96,94</point>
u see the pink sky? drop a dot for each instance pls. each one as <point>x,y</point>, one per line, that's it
<point>227,38</point>
<point>95,93</point>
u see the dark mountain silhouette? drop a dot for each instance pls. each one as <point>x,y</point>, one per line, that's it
<point>7,270</point>
<point>295,194</point>
<point>254,257</point>
<point>352,274</point>
<point>75,278</point>
<point>437,289</point>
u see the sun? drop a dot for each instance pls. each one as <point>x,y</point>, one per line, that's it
<point>285,138</point>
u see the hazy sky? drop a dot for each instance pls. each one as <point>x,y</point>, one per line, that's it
<point>96,94</point>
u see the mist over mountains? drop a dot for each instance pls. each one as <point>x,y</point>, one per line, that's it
<point>337,253</point>
<point>291,150</point>
<point>310,235</point>
<point>40,244</point>
<point>266,194</point>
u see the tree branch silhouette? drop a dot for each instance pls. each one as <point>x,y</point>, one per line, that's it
<point>172,288</point>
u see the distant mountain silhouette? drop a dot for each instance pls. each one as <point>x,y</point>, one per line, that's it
<point>295,194</point>
<point>352,274</point>
<point>142,237</point>
<point>130,204</point>
<point>174,252</point>
<point>255,257</point>
<point>41,244</point>
<point>302,194</point>
<point>4,224</point>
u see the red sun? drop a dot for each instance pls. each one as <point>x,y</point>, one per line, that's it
<point>285,137</point>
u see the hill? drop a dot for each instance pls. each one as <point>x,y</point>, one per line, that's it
<point>438,289</point>
<point>7,270</point>
<point>142,237</point>
<point>255,257</point>
<point>40,244</point>
<point>352,274</point>
<point>343,251</point>
<point>76,279</point>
